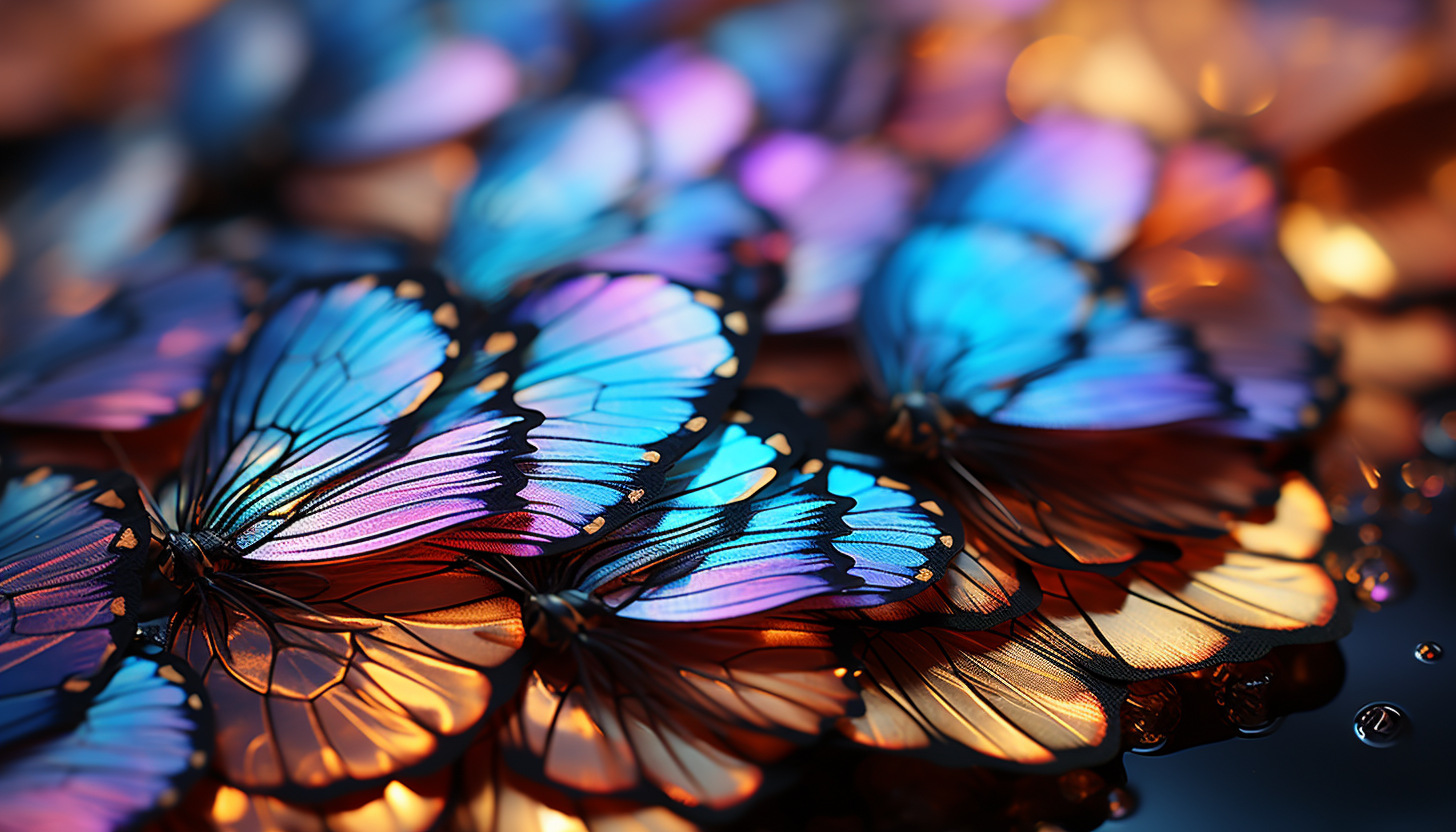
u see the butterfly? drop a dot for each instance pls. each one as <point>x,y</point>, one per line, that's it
<point>1040,688</point>
<point>1062,412</point>
<point>73,545</point>
<point>341,655</point>
<point>141,743</point>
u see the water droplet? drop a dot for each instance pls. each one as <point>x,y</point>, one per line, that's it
<point>1120,804</point>
<point>1429,652</point>
<point>1149,714</point>
<point>1261,730</point>
<point>1380,724</point>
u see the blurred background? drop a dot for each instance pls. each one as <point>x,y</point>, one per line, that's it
<point>1305,189</point>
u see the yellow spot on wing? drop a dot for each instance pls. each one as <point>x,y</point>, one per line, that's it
<point>947,540</point>
<point>167,799</point>
<point>118,606</point>
<point>170,673</point>
<point>886,482</point>
<point>813,466</point>
<point>924,574</point>
<point>933,507</point>
<point>75,685</point>
<point>198,759</point>
<point>779,443</point>
<point>82,486</point>
<point>493,382</point>
<point>409,289</point>
<point>708,299</point>
<point>594,526</point>
<point>696,424</point>
<point>430,383</point>
<point>635,495</point>
<point>189,399</point>
<point>736,321</point>
<point>37,475</point>
<point>127,540</point>
<point>765,476</point>
<point>739,417</point>
<point>728,368</point>
<point>500,342</point>
<point>446,316</point>
<point>194,702</point>
<point>366,282</point>
<point>453,349</point>
<point>651,456</point>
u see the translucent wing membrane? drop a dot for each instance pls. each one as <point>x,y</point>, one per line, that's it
<point>414,804</point>
<point>144,740</point>
<point>495,799</point>
<point>627,373</point>
<point>952,314</point>
<point>687,714</point>
<point>369,672</point>
<point>1082,182</point>
<point>144,355</point>
<point>72,547</point>
<point>984,698</point>
<point>979,590</point>
<point>1213,605</point>
<point>1095,501</point>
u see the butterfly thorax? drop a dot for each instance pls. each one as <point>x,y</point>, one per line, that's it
<point>554,619</point>
<point>919,423</point>
<point>192,556</point>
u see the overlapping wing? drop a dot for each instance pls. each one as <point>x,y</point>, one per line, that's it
<point>987,698</point>
<point>1004,328</point>
<point>72,548</point>
<point>144,740</point>
<point>684,714</point>
<point>627,373</point>
<point>373,670</point>
<point>144,355</point>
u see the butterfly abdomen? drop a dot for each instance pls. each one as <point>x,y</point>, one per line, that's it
<point>193,555</point>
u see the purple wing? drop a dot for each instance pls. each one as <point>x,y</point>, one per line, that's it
<point>142,356</point>
<point>72,547</point>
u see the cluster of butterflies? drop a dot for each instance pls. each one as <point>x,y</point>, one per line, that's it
<point>504,542</point>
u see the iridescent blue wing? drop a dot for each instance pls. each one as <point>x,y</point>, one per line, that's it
<point>706,234</point>
<point>145,354</point>
<point>144,740</point>
<point>539,34</point>
<point>72,548</point>
<point>992,698</point>
<point>551,189</point>
<point>326,385</point>
<point>1000,327</point>
<point>1081,182</point>
<point>758,520</point>
<point>626,373</point>
<point>792,52</point>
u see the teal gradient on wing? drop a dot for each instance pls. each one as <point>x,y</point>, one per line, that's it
<point>619,366</point>
<point>60,578</point>
<point>313,396</point>
<point>998,324</point>
<point>550,189</point>
<point>1081,181</point>
<point>135,745</point>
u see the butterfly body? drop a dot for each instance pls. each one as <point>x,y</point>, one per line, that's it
<point>196,554</point>
<point>920,423</point>
<point>554,619</point>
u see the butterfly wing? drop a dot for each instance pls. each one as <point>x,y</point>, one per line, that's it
<point>368,674</point>
<point>414,804</point>
<point>496,799</point>
<point>143,355</point>
<point>683,715</point>
<point>627,373</point>
<point>1006,329</point>
<point>1080,181</point>
<point>72,549</point>
<point>551,190</point>
<point>144,740</point>
<point>983,698</point>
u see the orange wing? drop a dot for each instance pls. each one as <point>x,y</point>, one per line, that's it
<point>1098,500</point>
<point>688,713</point>
<point>979,590</point>
<point>411,805</point>
<point>387,671</point>
<point>986,698</point>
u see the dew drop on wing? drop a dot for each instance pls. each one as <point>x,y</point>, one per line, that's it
<point>1381,724</point>
<point>1429,652</point>
<point>1120,804</point>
